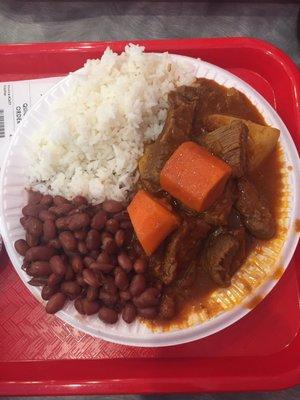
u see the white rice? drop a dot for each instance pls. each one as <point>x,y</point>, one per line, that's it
<point>91,143</point>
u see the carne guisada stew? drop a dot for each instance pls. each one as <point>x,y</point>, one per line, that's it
<point>210,245</point>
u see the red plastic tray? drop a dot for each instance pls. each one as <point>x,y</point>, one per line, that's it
<point>40,355</point>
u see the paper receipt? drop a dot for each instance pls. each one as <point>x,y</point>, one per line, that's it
<point>16,98</point>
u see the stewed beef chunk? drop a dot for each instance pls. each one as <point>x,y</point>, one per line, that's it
<point>229,142</point>
<point>176,130</point>
<point>219,212</point>
<point>243,238</point>
<point>187,277</point>
<point>182,247</point>
<point>254,210</point>
<point>235,220</point>
<point>218,256</point>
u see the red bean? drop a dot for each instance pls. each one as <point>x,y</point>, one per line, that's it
<point>112,225</point>
<point>34,226</point>
<point>99,219</point>
<point>108,315</point>
<point>118,307</point>
<point>108,299</point>
<point>68,241</point>
<point>62,223</point>
<point>79,209</point>
<point>80,281</point>
<point>88,261</point>
<point>79,200</point>
<point>48,292</point>
<point>112,206</point>
<point>93,240</point>
<point>125,295</point>
<point>55,303</point>
<point>137,285</point>
<point>90,307</point>
<point>121,279</point>
<point>23,221</point>
<point>55,243</point>
<point>39,268</point>
<point>122,216</point>
<point>79,306</point>
<point>32,240</point>
<point>32,210</point>
<point>148,313</point>
<point>58,200</point>
<point>105,235</point>
<point>120,237</point>
<point>69,276</point>
<point>45,215</point>
<point>21,247</point>
<point>39,253</point>
<point>149,298</point>
<point>62,209</point>
<point>92,293</point>
<point>96,208</point>
<point>64,257</point>
<point>58,265</point>
<point>25,265</point>
<point>114,260</point>
<point>54,280</point>
<point>80,235</point>
<point>140,266</point>
<point>82,248</point>
<point>90,278</point>
<point>94,254</point>
<point>77,264</point>
<point>125,262</point>
<point>94,266</point>
<point>72,297</point>
<point>41,281</point>
<point>34,197</point>
<point>129,313</point>
<point>103,258</point>
<point>49,230</point>
<point>78,221</point>
<point>71,288</point>
<point>47,200</point>
<point>126,225</point>
<point>109,246</point>
<point>106,268</point>
<point>109,285</point>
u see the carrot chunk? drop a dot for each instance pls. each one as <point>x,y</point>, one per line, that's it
<point>151,220</point>
<point>194,176</point>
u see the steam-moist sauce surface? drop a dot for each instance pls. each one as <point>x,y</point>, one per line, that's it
<point>267,178</point>
<point>217,99</point>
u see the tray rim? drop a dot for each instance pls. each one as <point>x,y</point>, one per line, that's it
<point>189,333</point>
<point>12,383</point>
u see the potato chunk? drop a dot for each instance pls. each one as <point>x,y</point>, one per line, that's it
<point>261,139</point>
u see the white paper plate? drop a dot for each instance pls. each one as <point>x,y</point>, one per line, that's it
<point>13,198</point>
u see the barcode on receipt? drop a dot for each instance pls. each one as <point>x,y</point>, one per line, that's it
<point>2,126</point>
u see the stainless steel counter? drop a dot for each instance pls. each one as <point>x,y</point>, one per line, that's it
<point>38,21</point>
